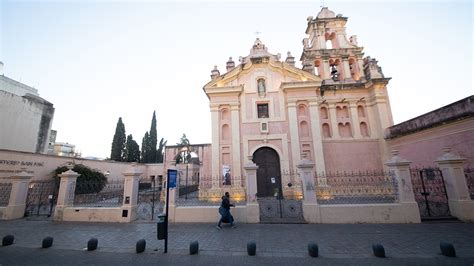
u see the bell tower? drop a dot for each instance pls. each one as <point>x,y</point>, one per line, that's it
<point>327,51</point>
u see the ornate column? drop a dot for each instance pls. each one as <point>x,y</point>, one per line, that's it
<point>67,187</point>
<point>130,193</point>
<point>293,124</point>
<point>253,212</point>
<point>237,168</point>
<point>215,156</point>
<point>17,202</point>
<point>311,212</point>
<point>400,168</point>
<point>460,203</point>
<point>355,121</point>
<point>317,138</point>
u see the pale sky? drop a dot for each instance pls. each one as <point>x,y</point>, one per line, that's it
<point>97,61</point>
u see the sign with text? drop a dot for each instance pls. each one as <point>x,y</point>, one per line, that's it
<point>172,174</point>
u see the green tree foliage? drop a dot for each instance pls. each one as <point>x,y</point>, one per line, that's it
<point>89,181</point>
<point>118,144</point>
<point>184,141</point>
<point>145,149</point>
<point>159,152</point>
<point>132,150</point>
<point>152,141</point>
<point>185,154</point>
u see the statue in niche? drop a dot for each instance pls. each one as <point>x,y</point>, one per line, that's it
<point>261,86</point>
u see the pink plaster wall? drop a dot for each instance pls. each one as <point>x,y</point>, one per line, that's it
<point>352,156</point>
<point>424,147</point>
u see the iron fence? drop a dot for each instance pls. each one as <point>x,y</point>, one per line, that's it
<point>41,197</point>
<point>201,194</point>
<point>110,195</point>
<point>150,204</point>
<point>5,190</point>
<point>469,173</point>
<point>430,193</point>
<point>369,187</point>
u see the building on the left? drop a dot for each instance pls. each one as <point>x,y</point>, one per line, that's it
<point>25,117</point>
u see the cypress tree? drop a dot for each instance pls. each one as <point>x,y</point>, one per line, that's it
<point>118,144</point>
<point>145,149</point>
<point>152,140</point>
<point>132,150</point>
<point>159,152</point>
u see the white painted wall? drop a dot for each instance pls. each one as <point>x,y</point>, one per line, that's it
<point>20,122</point>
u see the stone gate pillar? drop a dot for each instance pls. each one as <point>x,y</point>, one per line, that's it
<point>311,212</point>
<point>401,169</point>
<point>130,193</point>
<point>460,203</point>
<point>253,211</point>
<point>67,186</point>
<point>17,203</point>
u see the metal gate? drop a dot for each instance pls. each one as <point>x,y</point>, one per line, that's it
<point>149,204</point>
<point>430,193</point>
<point>41,198</point>
<point>274,210</point>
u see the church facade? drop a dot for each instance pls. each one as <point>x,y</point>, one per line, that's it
<point>333,111</point>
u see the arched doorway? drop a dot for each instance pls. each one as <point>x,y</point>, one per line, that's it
<point>268,173</point>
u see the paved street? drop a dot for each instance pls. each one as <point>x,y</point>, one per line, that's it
<point>277,244</point>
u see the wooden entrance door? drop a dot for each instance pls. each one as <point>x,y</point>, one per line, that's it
<point>268,173</point>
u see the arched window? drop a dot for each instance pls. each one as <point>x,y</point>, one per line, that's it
<point>261,87</point>
<point>326,130</point>
<point>301,110</point>
<point>360,111</point>
<point>225,114</point>
<point>364,131</point>
<point>225,132</point>
<point>324,113</point>
<point>304,129</point>
<point>345,130</point>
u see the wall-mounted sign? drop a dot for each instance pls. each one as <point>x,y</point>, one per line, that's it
<point>273,180</point>
<point>172,174</point>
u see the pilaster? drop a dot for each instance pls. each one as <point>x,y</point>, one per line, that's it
<point>333,119</point>
<point>17,203</point>
<point>311,212</point>
<point>215,145</point>
<point>317,138</point>
<point>253,211</point>
<point>355,121</point>
<point>401,169</point>
<point>293,124</point>
<point>237,168</point>
<point>130,192</point>
<point>460,203</point>
<point>67,188</point>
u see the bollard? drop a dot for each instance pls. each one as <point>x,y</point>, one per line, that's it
<point>92,244</point>
<point>379,251</point>
<point>313,249</point>
<point>141,244</point>
<point>447,249</point>
<point>47,242</point>
<point>251,248</point>
<point>194,247</point>
<point>7,240</point>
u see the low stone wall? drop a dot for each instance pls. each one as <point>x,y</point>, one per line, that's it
<point>205,214</point>
<point>87,214</point>
<point>365,213</point>
<point>349,213</point>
